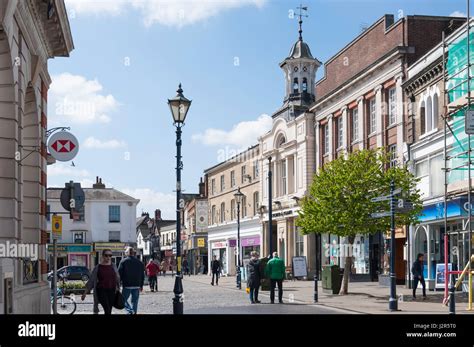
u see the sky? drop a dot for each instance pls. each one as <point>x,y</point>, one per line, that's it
<point>130,56</point>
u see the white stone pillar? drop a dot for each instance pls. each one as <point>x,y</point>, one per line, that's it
<point>344,130</point>
<point>360,108</point>
<point>378,115</point>
<point>330,137</point>
<point>317,150</point>
<point>399,115</point>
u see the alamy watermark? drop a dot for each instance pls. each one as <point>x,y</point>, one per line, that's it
<point>344,250</point>
<point>19,250</point>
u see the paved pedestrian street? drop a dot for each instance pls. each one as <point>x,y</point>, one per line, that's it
<point>202,298</point>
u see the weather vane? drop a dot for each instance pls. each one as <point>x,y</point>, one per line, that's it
<point>302,13</point>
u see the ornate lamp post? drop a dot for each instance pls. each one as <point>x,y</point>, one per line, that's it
<point>179,106</point>
<point>238,199</point>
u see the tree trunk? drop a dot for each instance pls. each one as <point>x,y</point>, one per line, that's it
<point>347,270</point>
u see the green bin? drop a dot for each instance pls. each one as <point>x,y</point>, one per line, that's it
<point>331,279</point>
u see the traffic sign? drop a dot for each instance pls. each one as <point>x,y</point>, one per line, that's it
<point>78,198</point>
<point>469,122</point>
<point>381,198</point>
<point>57,226</point>
<point>380,214</point>
<point>63,146</point>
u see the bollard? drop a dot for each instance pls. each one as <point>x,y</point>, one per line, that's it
<point>452,300</point>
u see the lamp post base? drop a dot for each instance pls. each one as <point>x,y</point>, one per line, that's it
<point>178,307</point>
<point>239,278</point>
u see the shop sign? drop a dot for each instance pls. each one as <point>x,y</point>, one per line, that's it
<point>201,242</point>
<point>201,215</point>
<point>71,248</point>
<point>113,246</point>
<point>232,243</point>
<point>251,241</point>
<point>221,244</point>
<point>282,214</point>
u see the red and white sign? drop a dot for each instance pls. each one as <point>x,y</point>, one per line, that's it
<point>221,244</point>
<point>63,146</point>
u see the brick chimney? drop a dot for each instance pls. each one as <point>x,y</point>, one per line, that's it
<point>98,183</point>
<point>202,188</point>
<point>157,215</point>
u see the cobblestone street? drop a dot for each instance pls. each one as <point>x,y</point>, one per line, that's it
<point>202,298</point>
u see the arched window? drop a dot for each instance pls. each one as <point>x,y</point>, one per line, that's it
<point>222,213</point>
<point>423,118</point>
<point>296,86</point>
<point>429,114</point>
<point>435,111</point>
<point>281,141</point>
<point>232,209</point>
<point>213,214</point>
<point>256,203</point>
<point>305,85</point>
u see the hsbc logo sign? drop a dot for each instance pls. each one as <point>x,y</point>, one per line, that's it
<point>63,146</point>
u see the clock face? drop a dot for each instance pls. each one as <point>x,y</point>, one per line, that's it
<point>305,69</point>
<point>295,69</point>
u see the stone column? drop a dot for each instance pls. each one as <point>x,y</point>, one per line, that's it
<point>344,130</point>
<point>361,113</point>
<point>378,115</point>
<point>330,137</point>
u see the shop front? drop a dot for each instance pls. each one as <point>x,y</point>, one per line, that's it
<point>428,237</point>
<point>223,250</point>
<point>249,244</point>
<point>196,254</point>
<point>367,253</point>
<point>117,248</point>
<point>71,255</point>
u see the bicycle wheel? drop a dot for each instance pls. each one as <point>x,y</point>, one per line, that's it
<point>66,305</point>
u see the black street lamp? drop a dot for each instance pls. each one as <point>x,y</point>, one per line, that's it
<point>238,199</point>
<point>270,203</point>
<point>179,107</point>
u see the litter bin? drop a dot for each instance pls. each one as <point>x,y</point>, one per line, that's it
<point>265,282</point>
<point>331,279</point>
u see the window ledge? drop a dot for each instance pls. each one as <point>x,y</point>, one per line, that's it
<point>427,134</point>
<point>372,134</point>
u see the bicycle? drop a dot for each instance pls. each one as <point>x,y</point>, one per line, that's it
<point>65,304</point>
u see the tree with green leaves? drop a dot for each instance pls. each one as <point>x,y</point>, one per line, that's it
<point>339,200</point>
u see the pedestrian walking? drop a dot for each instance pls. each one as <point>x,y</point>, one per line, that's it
<point>163,268</point>
<point>186,267</point>
<point>254,277</point>
<point>275,270</point>
<point>216,270</point>
<point>152,270</point>
<point>132,276</point>
<point>105,281</point>
<point>417,271</point>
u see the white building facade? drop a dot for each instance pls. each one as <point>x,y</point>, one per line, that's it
<point>107,221</point>
<point>291,146</point>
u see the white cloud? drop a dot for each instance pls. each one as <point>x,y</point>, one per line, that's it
<point>458,14</point>
<point>60,169</point>
<point>80,100</point>
<point>243,134</point>
<point>92,142</point>
<point>151,200</point>
<point>176,13</point>
<point>96,7</point>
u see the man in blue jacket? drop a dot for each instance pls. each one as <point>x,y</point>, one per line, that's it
<point>132,276</point>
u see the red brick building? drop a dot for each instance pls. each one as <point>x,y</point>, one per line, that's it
<point>359,104</point>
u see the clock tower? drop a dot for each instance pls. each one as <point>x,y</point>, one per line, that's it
<point>300,69</point>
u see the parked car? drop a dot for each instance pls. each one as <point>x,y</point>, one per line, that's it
<point>72,273</point>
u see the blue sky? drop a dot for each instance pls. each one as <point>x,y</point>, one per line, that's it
<point>130,56</point>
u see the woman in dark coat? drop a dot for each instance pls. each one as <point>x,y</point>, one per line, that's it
<point>254,276</point>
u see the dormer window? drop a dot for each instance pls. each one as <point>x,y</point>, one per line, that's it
<point>295,85</point>
<point>305,85</point>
